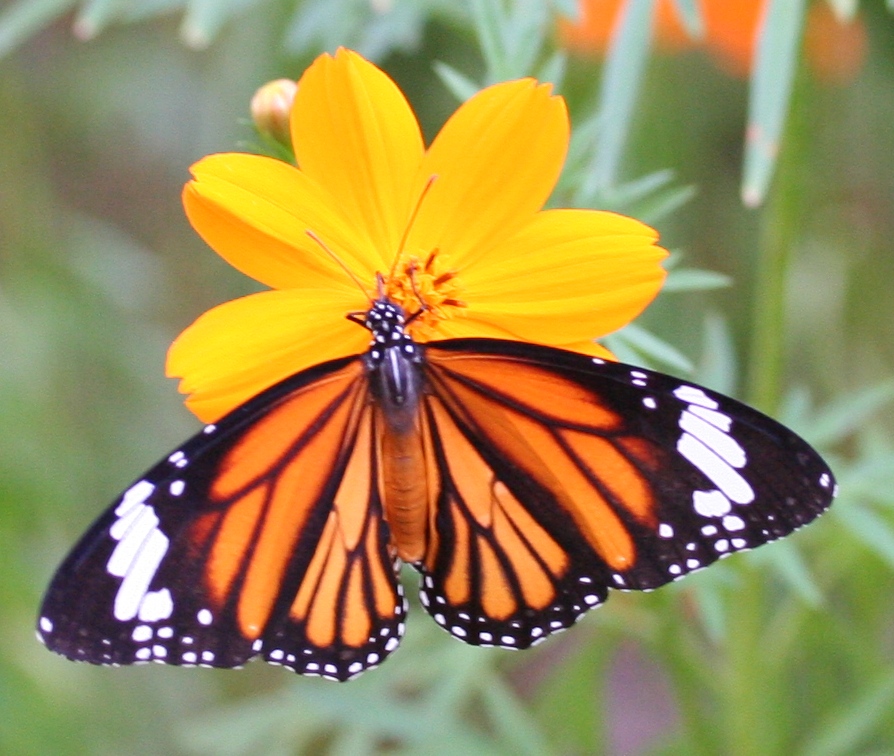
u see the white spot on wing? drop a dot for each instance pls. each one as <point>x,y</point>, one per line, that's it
<point>136,494</point>
<point>717,419</point>
<point>130,534</point>
<point>204,617</point>
<point>716,440</point>
<point>156,605</point>
<point>711,504</point>
<point>693,395</point>
<point>733,522</point>
<point>139,575</point>
<point>716,469</point>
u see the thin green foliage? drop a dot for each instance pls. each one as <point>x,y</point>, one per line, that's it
<point>776,62</point>
<point>690,15</point>
<point>22,19</point>
<point>781,651</point>
<point>623,72</point>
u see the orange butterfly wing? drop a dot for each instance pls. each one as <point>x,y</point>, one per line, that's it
<point>262,535</point>
<point>562,476</point>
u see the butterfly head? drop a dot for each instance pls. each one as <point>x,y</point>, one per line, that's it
<point>387,322</point>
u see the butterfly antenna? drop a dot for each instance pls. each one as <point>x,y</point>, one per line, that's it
<point>345,268</point>
<point>403,239</point>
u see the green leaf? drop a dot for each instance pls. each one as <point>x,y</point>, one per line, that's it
<point>611,197</point>
<point>718,367</point>
<point>849,413</point>
<point>515,729</point>
<point>634,343</point>
<point>568,8</point>
<point>205,18</point>
<point>664,204</point>
<point>459,85</point>
<point>511,36</point>
<point>844,10</point>
<point>775,65</point>
<point>873,531</point>
<point>621,77</point>
<point>553,70</point>
<point>486,22</point>
<point>695,279</point>
<point>791,567</point>
<point>22,20</point>
<point>856,723</point>
<point>94,16</point>
<point>691,17</point>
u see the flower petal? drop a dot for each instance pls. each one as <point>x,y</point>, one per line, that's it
<point>472,327</point>
<point>237,349</point>
<point>568,276</point>
<point>495,163</point>
<point>255,212</point>
<point>354,133</point>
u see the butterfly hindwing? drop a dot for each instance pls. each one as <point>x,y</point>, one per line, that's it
<point>261,535</point>
<point>563,476</point>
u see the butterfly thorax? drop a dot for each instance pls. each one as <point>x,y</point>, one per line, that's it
<point>394,363</point>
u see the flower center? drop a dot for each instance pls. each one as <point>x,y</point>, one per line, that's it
<point>422,283</point>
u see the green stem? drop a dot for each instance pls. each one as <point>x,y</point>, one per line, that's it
<point>779,228</point>
<point>751,696</point>
<point>755,706</point>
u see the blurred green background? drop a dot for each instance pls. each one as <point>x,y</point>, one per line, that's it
<point>104,104</point>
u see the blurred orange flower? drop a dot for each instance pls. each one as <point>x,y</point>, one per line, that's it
<point>834,49</point>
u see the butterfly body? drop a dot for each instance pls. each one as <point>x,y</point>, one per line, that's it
<point>522,482</point>
<point>396,383</point>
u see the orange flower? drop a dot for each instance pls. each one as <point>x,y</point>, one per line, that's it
<point>459,226</point>
<point>834,50</point>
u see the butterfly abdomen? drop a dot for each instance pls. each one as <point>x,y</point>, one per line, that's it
<point>393,362</point>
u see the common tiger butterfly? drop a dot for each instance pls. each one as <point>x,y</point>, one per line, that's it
<point>522,482</point>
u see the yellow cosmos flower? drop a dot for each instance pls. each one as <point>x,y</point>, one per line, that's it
<point>458,227</point>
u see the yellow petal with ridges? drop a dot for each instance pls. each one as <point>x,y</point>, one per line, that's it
<point>567,276</point>
<point>495,163</point>
<point>255,212</point>
<point>355,134</point>
<point>237,349</point>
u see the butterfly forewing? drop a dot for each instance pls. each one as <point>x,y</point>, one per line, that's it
<point>261,535</point>
<point>565,476</point>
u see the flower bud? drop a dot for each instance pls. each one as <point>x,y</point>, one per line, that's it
<point>271,107</point>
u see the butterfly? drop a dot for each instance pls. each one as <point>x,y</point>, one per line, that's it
<point>522,482</point>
